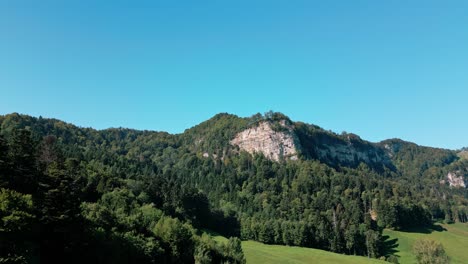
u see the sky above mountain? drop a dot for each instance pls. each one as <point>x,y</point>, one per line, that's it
<point>380,69</point>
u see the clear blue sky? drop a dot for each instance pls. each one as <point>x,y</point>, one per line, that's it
<point>380,69</point>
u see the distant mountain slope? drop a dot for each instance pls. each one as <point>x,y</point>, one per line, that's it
<point>412,159</point>
<point>216,135</point>
<point>313,142</point>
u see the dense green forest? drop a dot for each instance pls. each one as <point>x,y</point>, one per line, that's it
<point>72,194</point>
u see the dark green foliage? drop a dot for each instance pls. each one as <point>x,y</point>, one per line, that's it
<point>58,206</point>
<point>178,237</point>
<point>213,136</point>
<point>413,160</point>
<point>24,171</point>
<point>208,251</point>
<point>120,229</point>
<point>4,164</point>
<point>400,216</point>
<point>16,218</point>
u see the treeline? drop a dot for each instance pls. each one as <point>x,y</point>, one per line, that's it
<point>306,203</point>
<point>361,239</point>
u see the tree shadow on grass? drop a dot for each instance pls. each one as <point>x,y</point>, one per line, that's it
<point>425,229</point>
<point>388,246</point>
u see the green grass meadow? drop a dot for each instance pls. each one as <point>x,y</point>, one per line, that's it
<point>453,237</point>
<point>256,252</point>
<point>259,253</point>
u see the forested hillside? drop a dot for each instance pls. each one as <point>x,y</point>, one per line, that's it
<point>75,194</point>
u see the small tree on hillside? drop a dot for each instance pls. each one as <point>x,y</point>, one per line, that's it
<point>430,252</point>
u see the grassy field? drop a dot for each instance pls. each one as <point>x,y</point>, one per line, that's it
<point>453,237</point>
<point>256,252</point>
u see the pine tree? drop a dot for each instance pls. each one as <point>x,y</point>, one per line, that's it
<point>24,162</point>
<point>4,163</point>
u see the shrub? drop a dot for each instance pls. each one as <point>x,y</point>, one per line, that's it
<point>430,252</point>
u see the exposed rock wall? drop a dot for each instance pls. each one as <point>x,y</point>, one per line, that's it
<point>283,143</point>
<point>275,145</point>
<point>348,154</point>
<point>456,180</point>
<point>342,150</point>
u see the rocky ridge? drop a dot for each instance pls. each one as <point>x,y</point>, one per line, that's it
<point>279,140</point>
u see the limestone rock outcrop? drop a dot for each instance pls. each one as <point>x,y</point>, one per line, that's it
<point>456,179</point>
<point>275,145</point>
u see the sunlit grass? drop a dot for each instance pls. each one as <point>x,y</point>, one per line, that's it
<point>256,252</point>
<point>454,238</point>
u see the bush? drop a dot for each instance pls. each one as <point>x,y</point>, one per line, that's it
<point>210,251</point>
<point>430,252</point>
<point>393,259</point>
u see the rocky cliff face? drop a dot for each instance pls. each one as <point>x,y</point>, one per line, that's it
<point>284,143</point>
<point>455,179</point>
<point>275,145</point>
<point>352,155</point>
<point>341,150</point>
